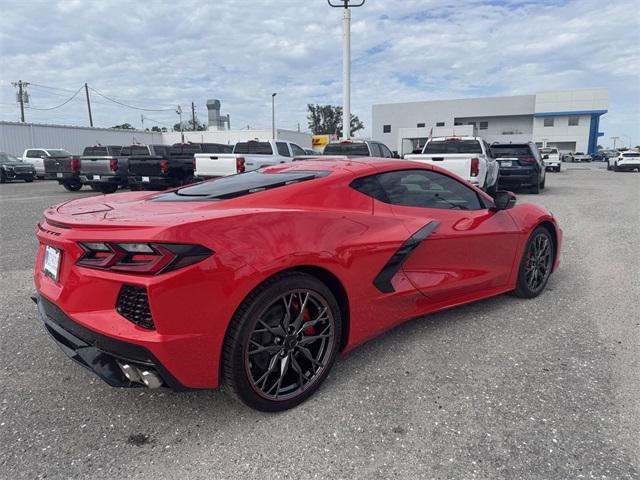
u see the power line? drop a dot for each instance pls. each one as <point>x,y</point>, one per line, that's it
<point>63,103</point>
<point>131,106</point>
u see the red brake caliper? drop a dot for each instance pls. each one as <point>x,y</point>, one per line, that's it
<point>306,317</point>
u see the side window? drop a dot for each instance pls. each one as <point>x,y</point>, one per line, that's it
<point>374,148</point>
<point>385,151</point>
<point>33,154</point>
<point>297,150</point>
<point>427,189</point>
<point>283,149</point>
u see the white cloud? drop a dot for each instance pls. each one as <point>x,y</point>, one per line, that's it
<point>164,54</point>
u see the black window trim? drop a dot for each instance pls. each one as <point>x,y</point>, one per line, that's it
<point>484,202</point>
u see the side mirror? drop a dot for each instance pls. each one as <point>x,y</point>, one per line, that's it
<point>503,200</point>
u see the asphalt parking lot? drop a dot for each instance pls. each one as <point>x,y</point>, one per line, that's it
<point>501,389</point>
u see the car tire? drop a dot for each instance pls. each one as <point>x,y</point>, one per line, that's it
<point>3,178</point>
<point>536,264</point>
<point>535,185</point>
<point>28,180</point>
<point>544,181</point>
<point>286,354</point>
<point>72,186</point>
<point>108,188</point>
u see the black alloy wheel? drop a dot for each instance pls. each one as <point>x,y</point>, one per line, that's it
<point>536,264</point>
<point>282,342</point>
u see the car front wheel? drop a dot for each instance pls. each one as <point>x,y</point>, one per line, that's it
<point>281,342</point>
<point>535,265</point>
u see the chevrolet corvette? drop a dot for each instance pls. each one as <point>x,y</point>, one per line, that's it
<point>258,280</point>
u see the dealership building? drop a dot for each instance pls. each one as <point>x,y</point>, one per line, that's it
<point>566,119</point>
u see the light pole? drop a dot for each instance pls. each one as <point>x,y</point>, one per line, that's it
<point>179,112</point>
<point>273,115</point>
<point>346,62</point>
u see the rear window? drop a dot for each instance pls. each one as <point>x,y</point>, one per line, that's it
<point>453,146</point>
<point>253,148</point>
<point>356,149</point>
<point>185,150</point>
<point>95,152</point>
<point>58,153</point>
<point>499,151</point>
<point>239,185</point>
<point>137,150</point>
<point>548,150</point>
<point>216,148</point>
<point>632,154</point>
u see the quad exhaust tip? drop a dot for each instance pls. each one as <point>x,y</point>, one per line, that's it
<point>148,378</point>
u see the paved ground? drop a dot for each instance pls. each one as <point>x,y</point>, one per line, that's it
<point>501,389</point>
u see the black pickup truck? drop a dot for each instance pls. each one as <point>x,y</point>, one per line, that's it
<point>157,167</point>
<point>65,168</point>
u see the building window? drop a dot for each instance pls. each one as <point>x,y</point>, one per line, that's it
<point>440,124</point>
<point>574,121</point>
<point>420,125</point>
<point>386,129</point>
<point>484,125</point>
<point>548,121</point>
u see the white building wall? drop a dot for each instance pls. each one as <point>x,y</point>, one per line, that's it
<point>16,137</point>
<point>561,132</point>
<point>510,119</point>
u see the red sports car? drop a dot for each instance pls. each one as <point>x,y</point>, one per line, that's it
<point>258,280</point>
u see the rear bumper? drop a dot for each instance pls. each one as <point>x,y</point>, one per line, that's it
<point>99,353</point>
<point>518,176</point>
<point>97,179</point>
<point>153,182</point>
<point>60,176</point>
<point>628,166</point>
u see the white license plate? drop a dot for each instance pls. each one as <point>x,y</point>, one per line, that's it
<point>96,177</point>
<point>145,179</point>
<point>505,164</point>
<point>51,262</point>
<point>59,175</point>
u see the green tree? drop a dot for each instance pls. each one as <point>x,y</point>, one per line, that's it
<point>155,128</point>
<point>124,126</point>
<point>327,120</point>
<point>189,126</point>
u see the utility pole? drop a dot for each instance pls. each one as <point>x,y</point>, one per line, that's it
<point>346,61</point>
<point>193,116</point>
<point>86,90</point>
<point>21,96</point>
<point>614,141</point>
<point>273,115</point>
<point>142,121</point>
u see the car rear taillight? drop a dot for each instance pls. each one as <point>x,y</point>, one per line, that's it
<point>164,166</point>
<point>240,164</point>
<point>475,167</point>
<point>113,165</point>
<point>143,258</point>
<point>75,164</point>
<point>194,164</point>
<point>528,159</point>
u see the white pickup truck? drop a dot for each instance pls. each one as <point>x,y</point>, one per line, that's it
<point>467,157</point>
<point>551,158</point>
<point>246,156</point>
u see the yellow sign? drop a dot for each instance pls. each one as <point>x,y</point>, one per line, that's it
<point>318,142</point>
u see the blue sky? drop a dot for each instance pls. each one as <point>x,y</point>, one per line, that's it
<point>157,55</point>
